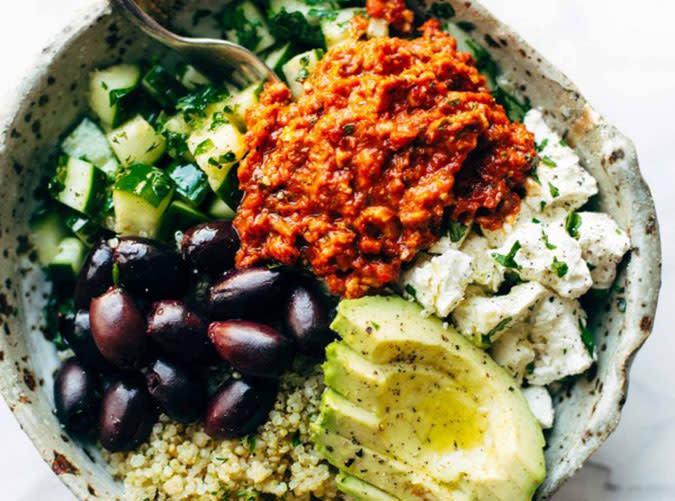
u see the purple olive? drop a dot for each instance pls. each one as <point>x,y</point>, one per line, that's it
<point>180,332</point>
<point>77,332</point>
<point>237,409</point>
<point>246,293</point>
<point>177,390</point>
<point>307,318</point>
<point>252,349</point>
<point>118,328</point>
<point>128,414</point>
<point>211,246</point>
<point>95,276</point>
<point>76,397</point>
<point>149,268</point>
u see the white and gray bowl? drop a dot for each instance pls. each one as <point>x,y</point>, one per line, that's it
<point>51,99</point>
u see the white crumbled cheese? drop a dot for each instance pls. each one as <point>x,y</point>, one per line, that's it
<point>453,240</point>
<point>541,405</point>
<point>603,244</point>
<point>484,270</point>
<point>484,319</point>
<point>555,331</point>
<point>514,352</point>
<point>438,283</point>
<point>563,182</point>
<point>548,255</point>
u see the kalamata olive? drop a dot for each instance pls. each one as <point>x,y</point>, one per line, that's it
<point>211,246</point>
<point>76,397</point>
<point>95,276</point>
<point>118,328</point>
<point>237,409</point>
<point>252,292</point>
<point>149,268</point>
<point>180,332</point>
<point>127,415</point>
<point>77,332</point>
<point>253,349</point>
<point>177,390</point>
<point>307,318</point>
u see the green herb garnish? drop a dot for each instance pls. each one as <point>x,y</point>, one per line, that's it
<point>548,244</point>
<point>587,338</point>
<point>508,260</point>
<point>560,268</point>
<point>572,224</point>
<point>204,147</point>
<point>555,192</point>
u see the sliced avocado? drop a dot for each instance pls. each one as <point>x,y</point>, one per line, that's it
<point>413,391</point>
<point>358,490</point>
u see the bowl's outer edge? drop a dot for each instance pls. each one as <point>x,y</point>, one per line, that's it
<point>588,129</point>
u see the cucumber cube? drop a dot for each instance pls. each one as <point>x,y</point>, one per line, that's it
<point>47,231</point>
<point>108,88</point>
<point>180,217</point>
<point>337,29</point>
<point>192,185</point>
<point>298,69</point>
<point>83,227</point>
<point>278,56</point>
<point>79,185</point>
<point>163,86</point>
<point>140,196</point>
<point>191,77</point>
<point>217,150</point>
<point>240,102</point>
<point>218,209</point>
<point>67,262</point>
<point>246,25</point>
<point>137,142</point>
<point>88,142</point>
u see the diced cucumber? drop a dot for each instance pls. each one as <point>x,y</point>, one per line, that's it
<point>337,29</point>
<point>240,102</point>
<point>191,182</point>
<point>229,189</point>
<point>88,142</point>
<point>67,262</point>
<point>108,87</point>
<point>278,56</point>
<point>309,12</point>
<point>298,69</point>
<point>218,209</point>
<point>460,35</point>
<point>83,227</point>
<point>137,142</point>
<point>47,231</point>
<point>176,131</point>
<point>246,25</point>
<point>163,86</point>
<point>79,185</point>
<point>180,217</point>
<point>216,150</point>
<point>141,194</point>
<point>191,77</point>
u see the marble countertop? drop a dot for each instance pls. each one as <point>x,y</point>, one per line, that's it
<point>620,55</point>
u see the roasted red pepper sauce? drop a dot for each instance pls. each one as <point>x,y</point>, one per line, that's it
<point>389,136</point>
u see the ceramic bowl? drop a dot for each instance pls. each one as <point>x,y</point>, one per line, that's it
<point>54,96</point>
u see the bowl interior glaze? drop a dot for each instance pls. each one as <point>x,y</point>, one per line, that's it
<point>51,99</point>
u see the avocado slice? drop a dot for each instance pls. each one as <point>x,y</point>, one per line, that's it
<point>358,490</point>
<point>419,396</point>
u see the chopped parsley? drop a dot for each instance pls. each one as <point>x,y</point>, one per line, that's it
<point>540,146</point>
<point>572,224</point>
<point>533,172</point>
<point>245,30</point>
<point>466,26</point>
<point>251,442</point>
<point>204,147</point>
<point>508,260</point>
<point>560,268</point>
<point>587,337</point>
<point>195,103</point>
<point>544,238</point>
<point>487,338</point>
<point>555,192</point>
<point>442,10</point>
<point>456,231</point>
<point>217,120</point>
<point>530,368</point>
<point>115,274</point>
<point>484,61</point>
<point>548,161</point>
<point>411,291</point>
<point>226,158</point>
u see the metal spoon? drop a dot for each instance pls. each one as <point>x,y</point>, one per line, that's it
<point>214,57</point>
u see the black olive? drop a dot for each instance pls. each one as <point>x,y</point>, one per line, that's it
<point>253,293</point>
<point>238,408</point>
<point>118,328</point>
<point>95,276</point>
<point>180,332</point>
<point>149,268</point>
<point>307,318</point>
<point>77,332</point>
<point>76,398</point>
<point>177,390</point>
<point>211,246</point>
<point>253,349</point>
<point>128,414</point>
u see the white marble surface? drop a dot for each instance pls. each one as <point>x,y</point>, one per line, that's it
<point>621,55</point>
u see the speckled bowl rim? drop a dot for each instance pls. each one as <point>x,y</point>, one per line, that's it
<point>647,240</point>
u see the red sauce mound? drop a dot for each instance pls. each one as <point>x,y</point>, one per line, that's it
<point>389,137</point>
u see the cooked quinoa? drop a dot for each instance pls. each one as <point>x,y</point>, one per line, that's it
<point>182,462</point>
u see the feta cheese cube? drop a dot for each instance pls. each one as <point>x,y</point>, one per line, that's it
<point>514,352</point>
<point>555,332</point>
<point>562,182</point>
<point>541,405</point>
<point>484,319</point>
<point>603,245</point>
<point>546,254</point>
<point>438,283</point>
<point>484,269</point>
